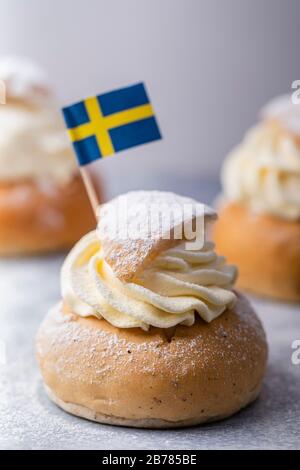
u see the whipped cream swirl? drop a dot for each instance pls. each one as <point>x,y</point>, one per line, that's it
<point>174,287</point>
<point>263,172</point>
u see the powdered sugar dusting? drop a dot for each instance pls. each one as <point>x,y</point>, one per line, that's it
<point>127,255</point>
<point>239,342</point>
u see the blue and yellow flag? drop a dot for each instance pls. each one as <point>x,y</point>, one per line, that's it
<point>105,124</point>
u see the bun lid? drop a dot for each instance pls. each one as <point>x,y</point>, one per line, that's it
<point>136,227</point>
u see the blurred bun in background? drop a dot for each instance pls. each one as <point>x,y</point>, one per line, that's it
<point>43,202</point>
<point>259,218</point>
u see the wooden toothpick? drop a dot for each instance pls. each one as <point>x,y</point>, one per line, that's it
<point>90,188</point>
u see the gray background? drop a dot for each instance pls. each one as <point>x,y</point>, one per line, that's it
<point>209,66</point>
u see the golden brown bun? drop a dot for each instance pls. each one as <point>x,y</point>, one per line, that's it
<point>36,218</point>
<point>160,378</point>
<point>265,248</point>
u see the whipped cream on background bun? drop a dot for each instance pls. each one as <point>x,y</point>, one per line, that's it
<point>171,289</point>
<point>24,80</point>
<point>263,172</point>
<point>287,113</point>
<point>33,140</point>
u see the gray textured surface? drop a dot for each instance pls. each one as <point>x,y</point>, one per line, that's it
<point>28,420</point>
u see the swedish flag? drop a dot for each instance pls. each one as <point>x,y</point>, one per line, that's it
<point>105,124</point>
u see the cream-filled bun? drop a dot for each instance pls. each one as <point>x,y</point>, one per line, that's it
<point>149,332</point>
<point>259,215</point>
<point>41,192</point>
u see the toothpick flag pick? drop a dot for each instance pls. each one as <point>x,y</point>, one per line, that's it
<point>105,124</point>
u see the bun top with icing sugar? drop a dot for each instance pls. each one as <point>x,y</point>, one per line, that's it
<point>138,274</point>
<point>134,227</point>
